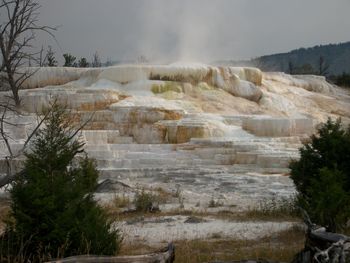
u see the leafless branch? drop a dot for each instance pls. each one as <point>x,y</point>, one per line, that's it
<point>3,133</point>
<point>81,127</point>
<point>32,134</point>
<point>10,158</point>
<point>17,33</point>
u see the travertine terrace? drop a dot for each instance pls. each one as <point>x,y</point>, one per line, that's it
<point>226,133</point>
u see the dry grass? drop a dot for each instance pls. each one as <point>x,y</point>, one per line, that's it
<point>122,202</point>
<point>4,212</point>
<point>162,196</point>
<point>279,247</point>
<point>134,249</point>
<point>114,207</point>
<point>277,210</point>
<point>245,216</point>
<point>214,203</point>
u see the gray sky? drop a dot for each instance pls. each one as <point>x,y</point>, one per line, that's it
<point>193,30</point>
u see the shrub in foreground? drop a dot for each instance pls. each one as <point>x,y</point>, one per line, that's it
<point>322,176</point>
<point>53,211</point>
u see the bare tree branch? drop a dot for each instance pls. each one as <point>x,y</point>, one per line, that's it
<point>12,157</point>
<point>3,133</point>
<point>17,32</point>
<point>31,135</point>
<point>81,127</point>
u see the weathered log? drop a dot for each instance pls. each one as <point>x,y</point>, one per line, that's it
<point>165,256</point>
<point>246,261</point>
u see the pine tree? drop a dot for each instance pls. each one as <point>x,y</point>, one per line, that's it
<point>83,63</point>
<point>53,206</point>
<point>50,56</point>
<point>322,176</point>
<point>69,60</point>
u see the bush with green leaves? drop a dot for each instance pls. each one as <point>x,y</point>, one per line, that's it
<point>322,176</point>
<point>343,80</point>
<point>53,211</point>
<point>145,202</point>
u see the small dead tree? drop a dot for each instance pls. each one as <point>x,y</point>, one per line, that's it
<point>17,33</point>
<point>142,60</point>
<point>291,68</point>
<point>96,61</point>
<point>323,66</point>
<point>109,62</point>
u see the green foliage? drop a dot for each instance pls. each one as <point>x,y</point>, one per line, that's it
<point>83,63</point>
<point>335,60</point>
<point>275,208</point>
<point>50,57</point>
<point>167,86</point>
<point>145,202</point>
<point>52,202</point>
<point>305,69</point>
<point>69,60</point>
<point>343,80</point>
<point>322,175</point>
<point>330,202</point>
<point>278,207</point>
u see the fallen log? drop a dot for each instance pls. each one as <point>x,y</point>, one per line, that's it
<point>165,256</point>
<point>246,261</point>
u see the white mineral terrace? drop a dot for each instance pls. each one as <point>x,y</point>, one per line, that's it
<point>213,132</point>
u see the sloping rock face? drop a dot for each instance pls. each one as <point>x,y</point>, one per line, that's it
<point>212,130</point>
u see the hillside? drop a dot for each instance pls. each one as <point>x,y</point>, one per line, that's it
<point>337,56</point>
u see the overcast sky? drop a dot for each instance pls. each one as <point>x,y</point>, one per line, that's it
<point>193,30</point>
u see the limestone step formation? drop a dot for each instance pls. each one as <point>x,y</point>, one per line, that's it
<point>227,132</point>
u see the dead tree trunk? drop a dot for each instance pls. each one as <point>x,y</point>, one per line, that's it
<point>165,256</point>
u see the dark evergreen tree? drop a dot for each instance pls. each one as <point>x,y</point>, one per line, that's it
<point>323,67</point>
<point>290,67</point>
<point>305,69</point>
<point>83,63</point>
<point>69,60</point>
<point>322,175</point>
<point>50,57</point>
<point>53,208</point>
<point>343,80</point>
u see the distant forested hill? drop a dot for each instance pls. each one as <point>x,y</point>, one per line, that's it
<point>336,57</point>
